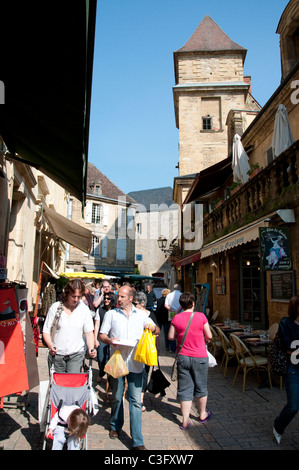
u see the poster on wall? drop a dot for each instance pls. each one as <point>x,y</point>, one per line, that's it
<point>220,286</point>
<point>202,295</point>
<point>275,249</point>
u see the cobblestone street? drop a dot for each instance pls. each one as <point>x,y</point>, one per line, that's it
<point>239,422</point>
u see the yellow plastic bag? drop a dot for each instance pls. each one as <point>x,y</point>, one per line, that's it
<point>146,351</point>
<point>116,366</point>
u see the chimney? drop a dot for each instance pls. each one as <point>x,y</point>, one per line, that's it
<point>247,79</point>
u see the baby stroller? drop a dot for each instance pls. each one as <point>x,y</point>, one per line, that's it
<point>70,389</point>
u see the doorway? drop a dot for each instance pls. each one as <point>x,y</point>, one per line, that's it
<point>252,291</point>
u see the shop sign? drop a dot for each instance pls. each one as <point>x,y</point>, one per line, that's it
<point>275,249</point>
<point>227,245</point>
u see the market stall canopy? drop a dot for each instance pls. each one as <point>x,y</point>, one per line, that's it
<point>209,179</point>
<point>46,70</point>
<point>83,275</point>
<point>67,230</point>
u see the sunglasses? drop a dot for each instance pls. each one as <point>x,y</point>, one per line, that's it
<point>107,298</point>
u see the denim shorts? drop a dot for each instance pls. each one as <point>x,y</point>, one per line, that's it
<point>192,377</point>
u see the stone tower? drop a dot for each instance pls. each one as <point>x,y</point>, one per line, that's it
<point>209,83</point>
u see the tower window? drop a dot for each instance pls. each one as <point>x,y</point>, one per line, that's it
<point>207,123</point>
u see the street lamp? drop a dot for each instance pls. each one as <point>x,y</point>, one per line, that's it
<point>162,242</point>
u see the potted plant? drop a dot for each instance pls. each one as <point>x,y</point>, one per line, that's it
<point>217,202</point>
<point>234,187</point>
<point>254,170</point>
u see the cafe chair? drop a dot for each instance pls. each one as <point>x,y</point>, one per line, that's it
<point>215,344</point>
<point>261,350</point>
<point>214,317</point>
<point>273,330</point>
<point>247,361</point>
<point>229,352</point>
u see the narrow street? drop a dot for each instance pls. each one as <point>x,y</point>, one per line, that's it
<point>239,422</point>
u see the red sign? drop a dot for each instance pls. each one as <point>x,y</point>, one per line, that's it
<point>13,370</point>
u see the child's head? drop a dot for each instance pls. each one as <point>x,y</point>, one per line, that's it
<point>78,422</point>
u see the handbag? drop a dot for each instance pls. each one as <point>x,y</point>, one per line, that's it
<point>54,325</point>
<point>174,371</point>
<point>157,382</point>
<point>277,357</point>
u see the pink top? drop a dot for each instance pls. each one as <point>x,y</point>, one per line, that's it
<point>194,344</point>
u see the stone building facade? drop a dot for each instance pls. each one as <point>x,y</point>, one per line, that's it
<point>231,259</point>
<point>26,237</point>
<point>110,215</point>
<point>156,216</point>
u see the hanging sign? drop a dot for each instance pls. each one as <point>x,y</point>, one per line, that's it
<point>275,249</point>
<point>13,370</point>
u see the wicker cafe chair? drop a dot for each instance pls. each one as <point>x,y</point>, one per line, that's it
<point>229,352</point>
<point>247,361</point>
<point>273,330</point>
<point>261,350</point>
<point>215,345</point>
<point>214,317</point>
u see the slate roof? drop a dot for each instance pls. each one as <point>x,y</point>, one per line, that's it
<point>209,37</point>
<point>109,189</point>
<point>153,196</point>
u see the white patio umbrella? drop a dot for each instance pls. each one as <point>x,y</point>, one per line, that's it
<point>282,135</point>
<point>240,163</point>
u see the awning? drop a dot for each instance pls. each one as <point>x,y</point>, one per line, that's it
<point>67,230</point>
<point>46,269</point>
<point>46,69</point>
<point>83,275</point>
<point>189,259</point>
<point>239,237</point>
<point>209,179</point>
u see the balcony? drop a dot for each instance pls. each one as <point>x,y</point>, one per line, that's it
<point>274,187</point>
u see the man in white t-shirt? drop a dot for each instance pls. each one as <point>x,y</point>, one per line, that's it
<point>128,323</point>
<point>172,301</point>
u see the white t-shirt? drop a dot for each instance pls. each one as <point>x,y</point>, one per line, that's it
<point>172,300</point>
<point>61,417</point>
<point>69,335</point>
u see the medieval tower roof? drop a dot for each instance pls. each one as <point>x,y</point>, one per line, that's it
<point>209,37</point>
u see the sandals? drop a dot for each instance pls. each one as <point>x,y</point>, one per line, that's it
<point>207,418</point>
<point>186,427</point>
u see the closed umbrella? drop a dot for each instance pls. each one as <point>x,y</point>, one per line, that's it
<point>282,135</point>
<point>240,163</point>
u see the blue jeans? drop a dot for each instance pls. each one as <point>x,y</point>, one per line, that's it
<point>291,381</point>
<point>168,344</point>
<point>117,410</point>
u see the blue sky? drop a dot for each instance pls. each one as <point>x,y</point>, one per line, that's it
<point>133,136</point>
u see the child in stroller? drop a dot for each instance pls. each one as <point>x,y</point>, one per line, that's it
<point>69,424</point>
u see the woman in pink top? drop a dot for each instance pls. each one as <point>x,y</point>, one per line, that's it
<point>193,359</point>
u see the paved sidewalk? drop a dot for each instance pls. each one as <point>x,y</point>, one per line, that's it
<point>239,422</point>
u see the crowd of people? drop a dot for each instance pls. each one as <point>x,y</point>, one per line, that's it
<point>91,320</point>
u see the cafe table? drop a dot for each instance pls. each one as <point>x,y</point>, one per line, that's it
<point>229,329</point>
<point>253,342</point>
